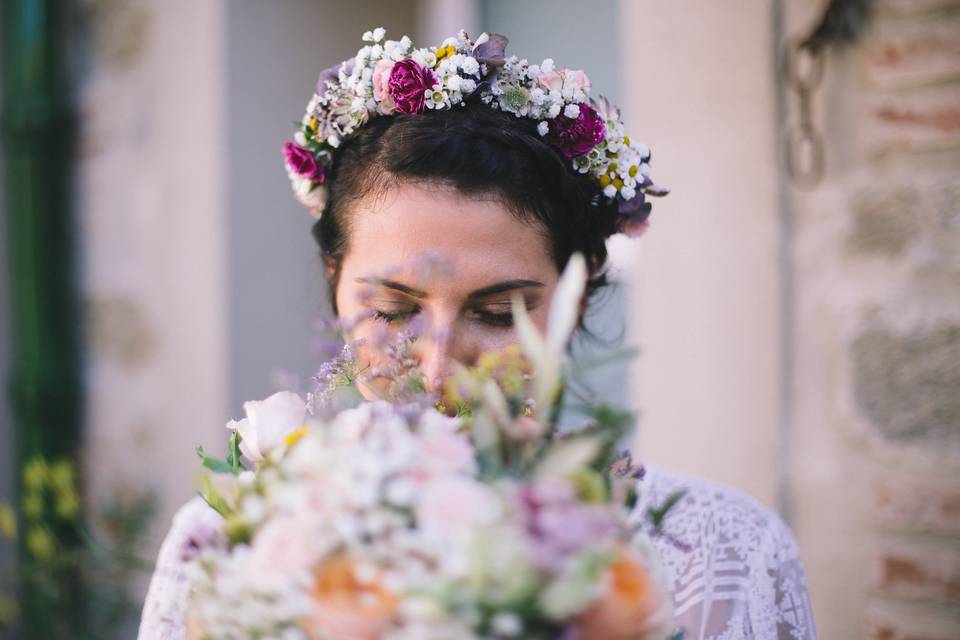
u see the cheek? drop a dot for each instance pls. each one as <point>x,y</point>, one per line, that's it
<point>474,339</point>
<point>350,307</point>
<point>373,339</point>
<point>372,357</point>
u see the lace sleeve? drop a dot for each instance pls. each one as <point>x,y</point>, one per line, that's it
<point>163,615</point>
<point>794,615</point>
<point>734,566</point>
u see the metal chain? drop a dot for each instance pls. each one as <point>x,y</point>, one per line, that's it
<point>803,73</point>
<point>802,65</point>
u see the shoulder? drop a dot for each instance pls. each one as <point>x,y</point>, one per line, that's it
<point>163,609</point>
<point>716,514</point>
<point>729,559</point>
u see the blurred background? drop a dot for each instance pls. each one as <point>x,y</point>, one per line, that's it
<point>796,302</point>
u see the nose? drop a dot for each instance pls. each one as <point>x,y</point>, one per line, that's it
<point>434,349</point>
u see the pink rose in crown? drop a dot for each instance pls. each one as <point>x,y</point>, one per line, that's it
<point>550,81</point>
<point>565,81</point>
<point>576,136</point>
<point>381,89</point>
<point>407,84</point>
<point>574,79</point>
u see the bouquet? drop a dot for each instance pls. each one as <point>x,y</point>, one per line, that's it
<point>352,520</point>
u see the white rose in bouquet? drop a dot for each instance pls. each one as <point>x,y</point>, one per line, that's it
<point>268,422</point>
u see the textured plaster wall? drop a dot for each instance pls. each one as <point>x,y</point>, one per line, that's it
<point>150,205</point>
<point>698,85</point>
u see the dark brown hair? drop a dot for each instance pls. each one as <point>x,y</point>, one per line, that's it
<point>479,151</point>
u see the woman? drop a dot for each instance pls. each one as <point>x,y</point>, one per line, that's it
<point>445,182</point>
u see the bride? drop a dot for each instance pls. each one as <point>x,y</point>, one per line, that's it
<point>457,179</point>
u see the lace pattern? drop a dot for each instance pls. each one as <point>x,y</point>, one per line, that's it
<point>164,611</point>
<point>741,578</point>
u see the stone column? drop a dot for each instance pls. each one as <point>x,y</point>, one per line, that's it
<point>698,87</point>
<point>152,217</point>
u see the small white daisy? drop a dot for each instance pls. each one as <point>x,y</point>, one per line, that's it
<point>470,65</point>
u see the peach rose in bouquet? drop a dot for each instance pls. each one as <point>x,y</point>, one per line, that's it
<point>633,604</point>
<point>345,607</point>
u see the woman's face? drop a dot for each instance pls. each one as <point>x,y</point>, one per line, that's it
<point>426,258</point>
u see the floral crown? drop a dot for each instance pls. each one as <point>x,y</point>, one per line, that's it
<point>392,76</point>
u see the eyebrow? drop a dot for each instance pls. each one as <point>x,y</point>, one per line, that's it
<point>500,287</point>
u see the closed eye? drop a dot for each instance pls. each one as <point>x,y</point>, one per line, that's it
<point>390,317</point>
<point>494,318</point>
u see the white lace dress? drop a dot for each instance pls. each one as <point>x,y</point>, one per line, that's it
<point>740,578</point>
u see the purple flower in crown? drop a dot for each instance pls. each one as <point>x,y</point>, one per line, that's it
<point>575,136</point>
<point>633,220</point>
<point>332,74</point>
<point>490,49</point>
<point>302,162</point>
<point>407,84</point>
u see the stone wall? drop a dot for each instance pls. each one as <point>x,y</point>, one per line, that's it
<point>804,345</point>
<point>876,456</point>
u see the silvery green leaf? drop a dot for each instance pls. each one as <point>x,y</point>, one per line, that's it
<point>568,456</point>
<point>574,589</point>
<point>547,364</point>
<point>530,338</point>
<point>484,430</point>
<point>565,306</point>
<point>496,404</point>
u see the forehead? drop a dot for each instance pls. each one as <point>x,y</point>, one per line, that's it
<point>471,241</point>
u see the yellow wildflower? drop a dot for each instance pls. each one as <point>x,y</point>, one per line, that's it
<point>61,476</point>
<point>8,522</point>
<point>35,474</point>
<point>444,52</point>
<point>8,611</point>
<point>67,505</point>
<point>40,543</point>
